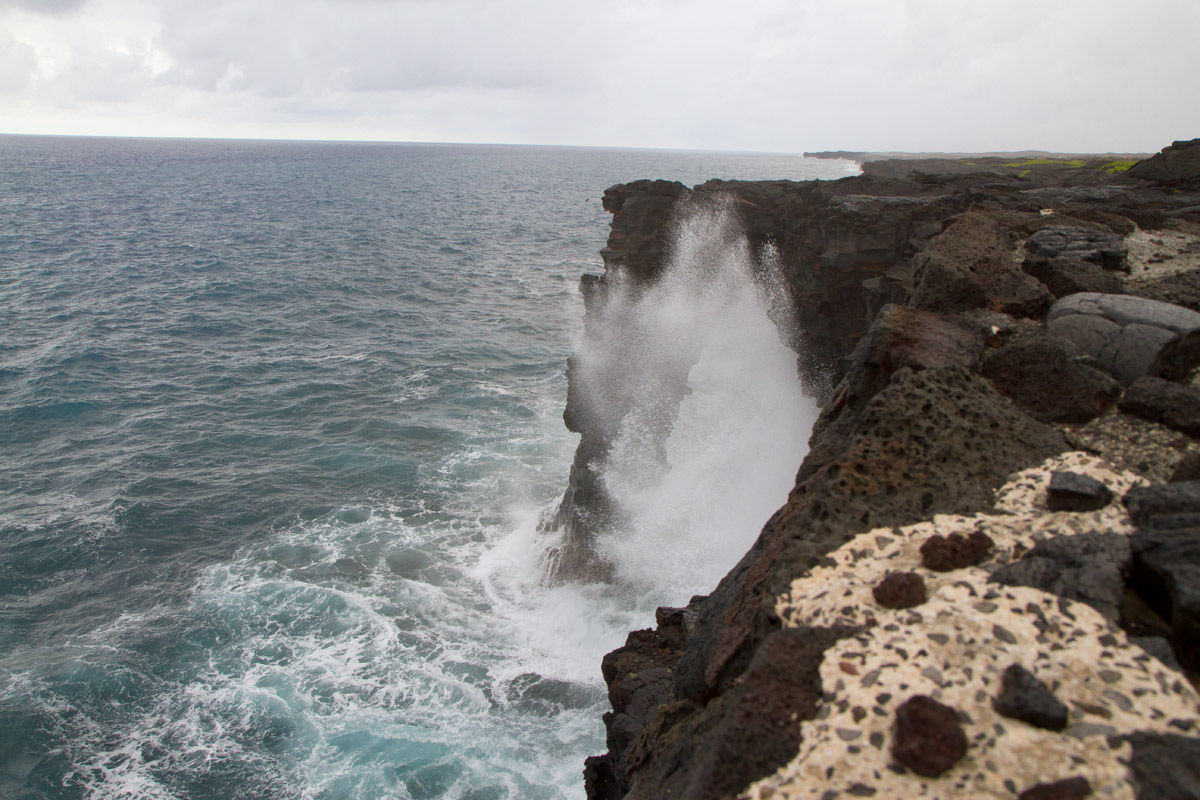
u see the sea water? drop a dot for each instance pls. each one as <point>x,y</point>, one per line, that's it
<point>277,425</point>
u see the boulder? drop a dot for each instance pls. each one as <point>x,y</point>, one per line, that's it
<point>1072,491</point>
<point>1046,378</point>
<point>1089,568</point>
<point>1166,574</point>
<point>1102,248</point>
<point>906,337</point>
<point>1173,404</point>
<point>970,265</point>
<point>1129,336</point>
<point>1178,165</point>
<point>1173,505</point>
<point>1070,275</point>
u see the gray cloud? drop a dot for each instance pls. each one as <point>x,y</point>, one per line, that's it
<point>51,7</point>
<point>770,74</point>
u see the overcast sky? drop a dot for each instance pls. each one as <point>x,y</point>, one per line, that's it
<point>773,75</point>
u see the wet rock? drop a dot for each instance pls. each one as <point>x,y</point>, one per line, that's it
<point>900,590</point>
<point>1166,574</point>
<point>1173,404</point>
<point>1129,336</point>
<point>1169,505</point>
<point>1165,767</point>
<point>1089,567</point>
<point>944,553</point>
<point>1176,165</point>
<point>1045,378</point>
<point>1102,248</point>
<point>1076,788</point>
<point>970,265</point>
<point>1027,699</point>
<point>929,739</point>
<point>1071,491</point>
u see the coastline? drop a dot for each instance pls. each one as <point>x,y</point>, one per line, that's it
<point>957,328</point>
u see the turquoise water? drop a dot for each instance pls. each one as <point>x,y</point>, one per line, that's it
<point>277,421</point>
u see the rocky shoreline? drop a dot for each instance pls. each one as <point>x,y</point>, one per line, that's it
<point>986,580</point>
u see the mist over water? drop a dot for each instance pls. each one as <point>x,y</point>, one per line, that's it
<point>693,487</point>
<point>279,420</point>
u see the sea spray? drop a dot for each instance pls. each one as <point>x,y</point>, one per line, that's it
<point>692,382</point>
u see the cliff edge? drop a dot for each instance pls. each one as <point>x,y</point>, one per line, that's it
<point>986,580</point>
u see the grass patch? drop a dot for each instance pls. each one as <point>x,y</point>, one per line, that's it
<point>1074,163</point>
<point>1117,166</point>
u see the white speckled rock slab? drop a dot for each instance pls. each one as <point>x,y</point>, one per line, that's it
<point>955,648</point>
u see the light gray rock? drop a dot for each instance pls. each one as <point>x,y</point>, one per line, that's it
<point>1129,337</point>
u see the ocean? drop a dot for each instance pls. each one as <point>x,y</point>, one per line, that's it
<point>278,421</point>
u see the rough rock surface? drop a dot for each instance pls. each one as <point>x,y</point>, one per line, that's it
<point>906,289</point>
<point>1070,491</point>
<point>929,739</point>
<point>1023,697</point>
<point>1178,164</point>
<point>1129,336</point>
<point>1046,378</point>
<point>1173,404</point>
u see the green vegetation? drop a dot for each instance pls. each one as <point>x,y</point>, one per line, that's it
<point>1073,163</point>
<point>1117,166</point>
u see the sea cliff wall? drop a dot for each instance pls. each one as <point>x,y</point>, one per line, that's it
<point>1005,362</point>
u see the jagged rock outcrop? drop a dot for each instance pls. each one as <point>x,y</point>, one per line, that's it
<point>916,297</point>
<point>1178,164</point>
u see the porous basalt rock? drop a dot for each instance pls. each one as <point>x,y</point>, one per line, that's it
<point>1046,378</point>
<point>900,590</point>
<point>970,265</point>
<point>929,739</point>
<point>954,551</point>
<point>1088,568</point>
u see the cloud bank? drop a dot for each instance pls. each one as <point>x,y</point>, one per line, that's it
<point>782,75</point>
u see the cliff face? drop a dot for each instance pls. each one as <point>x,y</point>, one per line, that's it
<point>961,328</point>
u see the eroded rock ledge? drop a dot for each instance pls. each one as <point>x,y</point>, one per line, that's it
<point>924,560</point>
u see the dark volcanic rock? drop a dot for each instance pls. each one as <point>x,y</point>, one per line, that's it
<point>641,211</point>
<point>1070,275</point>
<point>744,735</point>
<point>1098,247</point>
<point>1165,767</point>
<point>1089,567</point>
<point>900,590</point>
<point>1045,378</point>
<point>1076,788</point>
<point>906,337</point>
<point>929,739</point>
<point>1027,699</point>
<point>970,265</point>
<point>885,465</point>
<point>1178,164</point>
<point>1071,491</point>
<point>1129,336</point>
<point>1171,506</point>
<point>1166,574</point>
<point>945,553</point>
<point>1173,404</point>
